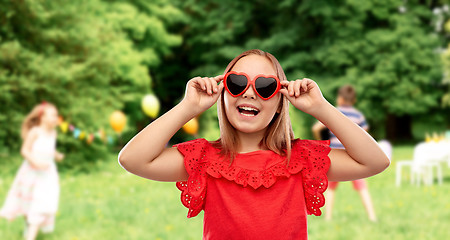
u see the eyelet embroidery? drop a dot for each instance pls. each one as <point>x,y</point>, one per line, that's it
<point>314,172</point>
<point>194,189</point>
<point>308,157</point>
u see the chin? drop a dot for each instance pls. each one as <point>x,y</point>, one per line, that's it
<point>249,129</point>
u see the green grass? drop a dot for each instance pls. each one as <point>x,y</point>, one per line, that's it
<point>112,204</point>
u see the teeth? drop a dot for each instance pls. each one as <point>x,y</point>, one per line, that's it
<point>249,109</point>
<point>249,115</point>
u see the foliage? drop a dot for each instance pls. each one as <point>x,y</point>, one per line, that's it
<point>87,57</point>
<point>209,124</point>
<point>443,14</point>
<point>93,57</point>
<point>386,49</point>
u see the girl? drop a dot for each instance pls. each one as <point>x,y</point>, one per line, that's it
<point>35,190</point>
<point>256,181</point>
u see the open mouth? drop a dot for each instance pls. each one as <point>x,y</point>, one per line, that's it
<point>248,111</point>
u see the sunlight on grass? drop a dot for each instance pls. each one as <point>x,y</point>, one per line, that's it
<point>113,204</point>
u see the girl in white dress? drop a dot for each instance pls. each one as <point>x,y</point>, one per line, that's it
<point>35,189</point>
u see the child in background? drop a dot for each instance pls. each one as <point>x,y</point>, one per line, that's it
<point>35,190</point>
<point>345,100</point>
<point>256,181</point>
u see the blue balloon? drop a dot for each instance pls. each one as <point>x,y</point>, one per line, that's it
<point>76,132</point>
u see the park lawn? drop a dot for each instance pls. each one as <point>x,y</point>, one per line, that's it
<point>112,204</point>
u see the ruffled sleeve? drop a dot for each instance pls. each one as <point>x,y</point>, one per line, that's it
<point>314,157</point>
<point>194,189</point>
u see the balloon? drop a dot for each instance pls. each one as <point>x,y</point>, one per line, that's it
<point>110,140</point>
<point>82,135</point>
<point>90,138</point>
<point>191,127</point>
<point>150,105</point>
<point>101,134</point>
<point>118,121</point>
<point>71,127</point>
<point>76,132</point>
<point>60,119</point>
<point>64,126</point>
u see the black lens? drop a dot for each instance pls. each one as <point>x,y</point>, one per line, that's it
<point>266,86</point>
<point>236,83</point>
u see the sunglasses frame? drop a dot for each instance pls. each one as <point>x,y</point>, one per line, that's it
<point>251,82</point>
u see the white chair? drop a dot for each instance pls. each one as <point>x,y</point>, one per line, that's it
<point>426,157</point>
<point>446,146</point>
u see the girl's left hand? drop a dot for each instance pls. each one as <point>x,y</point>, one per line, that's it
<point>304,94</point>
<point>59,156</point>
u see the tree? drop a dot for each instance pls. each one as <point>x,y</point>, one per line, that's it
<point>385,48</point>
<point>87,57</point>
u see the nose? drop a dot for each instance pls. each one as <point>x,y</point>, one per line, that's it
<point>250,93</point>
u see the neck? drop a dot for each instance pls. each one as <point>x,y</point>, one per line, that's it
<point>46,127</point>
<point>249,142</point>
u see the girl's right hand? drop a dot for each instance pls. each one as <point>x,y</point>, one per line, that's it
<point>202,93</point>
<point>39,165</point>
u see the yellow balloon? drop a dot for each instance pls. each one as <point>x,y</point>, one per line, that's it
<point>118,121</point>
<point>150,105</point>
<point>64,126</point>
<point>191,127</point>
<point>82,135</point>
<point>101,134</point>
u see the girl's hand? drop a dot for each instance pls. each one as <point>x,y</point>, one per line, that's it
<point>39,165</point>
<point>202,93</point>
<point>59,156</point>
<point>304,94</point>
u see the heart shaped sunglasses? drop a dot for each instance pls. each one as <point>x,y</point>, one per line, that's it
<point>265,86</point>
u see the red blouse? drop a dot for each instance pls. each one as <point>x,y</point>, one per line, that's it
<point>258,196</point>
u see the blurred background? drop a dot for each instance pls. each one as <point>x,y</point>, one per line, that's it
<point>113,66</point>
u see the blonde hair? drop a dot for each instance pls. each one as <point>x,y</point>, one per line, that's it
<point>33,118</point>
<point>279,133</point>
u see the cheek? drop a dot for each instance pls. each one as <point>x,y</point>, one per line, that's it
<point>228,101</point>
<point>274,103</point>
<point>51,119</point>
